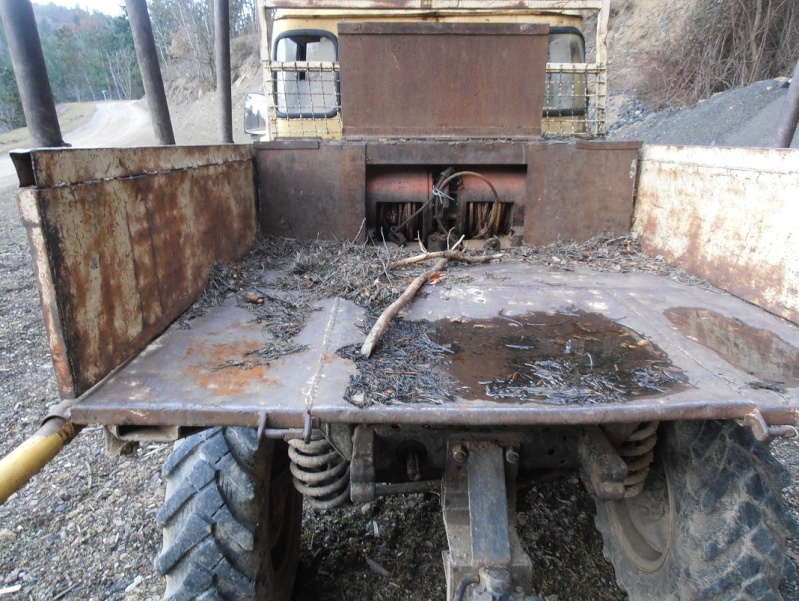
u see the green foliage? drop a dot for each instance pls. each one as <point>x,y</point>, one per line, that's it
<point>724,44</point>
<point>10,105</point>
<point>89,56</point>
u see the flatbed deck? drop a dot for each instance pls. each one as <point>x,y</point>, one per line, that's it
<point>204,375</point>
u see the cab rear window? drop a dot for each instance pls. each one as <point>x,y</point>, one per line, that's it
<point>308,87</point>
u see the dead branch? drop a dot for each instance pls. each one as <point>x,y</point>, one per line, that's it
<point>452,255</point>
<point>391,311</point>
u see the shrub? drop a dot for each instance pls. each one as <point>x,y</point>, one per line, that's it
<point>723,44</point>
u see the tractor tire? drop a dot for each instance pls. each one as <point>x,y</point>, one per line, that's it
<point>231,519</point>
<point>710,523</point>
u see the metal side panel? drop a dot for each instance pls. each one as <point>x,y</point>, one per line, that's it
<point>312,190</point>
<point>574,190</point>
<point>51,167</point>
<point>579,190</point>
<point>121,248</point>
<point>213,380</point>
<point>728,215</point>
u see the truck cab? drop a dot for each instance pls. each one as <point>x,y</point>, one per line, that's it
<point>301,67</point>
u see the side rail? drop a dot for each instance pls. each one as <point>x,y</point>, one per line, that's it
<point>727,215</point>
<point>123,241</point>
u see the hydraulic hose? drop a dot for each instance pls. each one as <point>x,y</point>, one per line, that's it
<point>33,454</point>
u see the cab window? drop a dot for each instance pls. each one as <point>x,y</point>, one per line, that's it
<point>311,92</point>
<point>565,91</point>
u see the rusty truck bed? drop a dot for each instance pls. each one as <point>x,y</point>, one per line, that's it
<point>733,358</point>
<point>123,241</point>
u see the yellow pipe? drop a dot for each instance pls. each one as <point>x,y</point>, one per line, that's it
<point>27,459</point>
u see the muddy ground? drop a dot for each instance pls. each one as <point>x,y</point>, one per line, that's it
<point>85,527</point>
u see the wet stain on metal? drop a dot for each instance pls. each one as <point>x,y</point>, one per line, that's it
<point>758,352</point>
<point>559,357</point>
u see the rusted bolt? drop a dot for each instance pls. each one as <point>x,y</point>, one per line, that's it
<point>459,453</point>
<point>511,455</point>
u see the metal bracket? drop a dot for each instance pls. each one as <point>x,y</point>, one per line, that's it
<point>485,559</point>
<point>362,467</point>
<point>603,469</point>
<point>764,432</point>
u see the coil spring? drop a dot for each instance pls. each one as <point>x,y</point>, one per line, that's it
<point>319,472</point>
<point>638,452</point>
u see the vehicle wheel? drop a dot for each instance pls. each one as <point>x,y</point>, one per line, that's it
<point>709,524</point>
<point>231,519</point>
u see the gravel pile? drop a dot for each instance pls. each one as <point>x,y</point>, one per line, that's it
<point>624,110</point>
<point>746,116</point>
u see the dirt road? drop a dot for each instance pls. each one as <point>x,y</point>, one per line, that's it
<point>114,123</point>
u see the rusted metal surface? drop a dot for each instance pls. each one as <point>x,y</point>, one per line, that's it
<point>212,368</point>
<point>119,259</point>
<point>478,497</point>
<point>765,433</point>
<point>578,190</point>
<point>305,193</point>
<point>195,393</point>
<point>442,79</point>
<point>602,465</point>
<point>49,168</point>
<point>452,153</point>
<point>596,196</point>
<point>438,4</point>
<point>727,215</point>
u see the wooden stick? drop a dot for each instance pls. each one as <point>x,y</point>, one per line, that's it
<point>452,255</point>
<point>10,589</point>
<point>385,318</point>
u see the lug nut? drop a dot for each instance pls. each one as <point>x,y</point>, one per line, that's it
<point>511,455</point>
<point>459,453</point>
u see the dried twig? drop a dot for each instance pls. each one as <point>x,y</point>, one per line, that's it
<point>10,589</point>
<point>65,592</point>
<point>452,255</point>
<point>394,308</point>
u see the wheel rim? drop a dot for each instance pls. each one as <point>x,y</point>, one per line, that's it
<point>644,524</point>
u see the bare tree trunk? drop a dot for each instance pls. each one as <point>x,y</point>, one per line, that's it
<point>112,73</point>
<point>187,30</point>
<point>753,34</point>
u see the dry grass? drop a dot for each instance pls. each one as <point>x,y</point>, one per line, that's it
<point>71,115</point>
